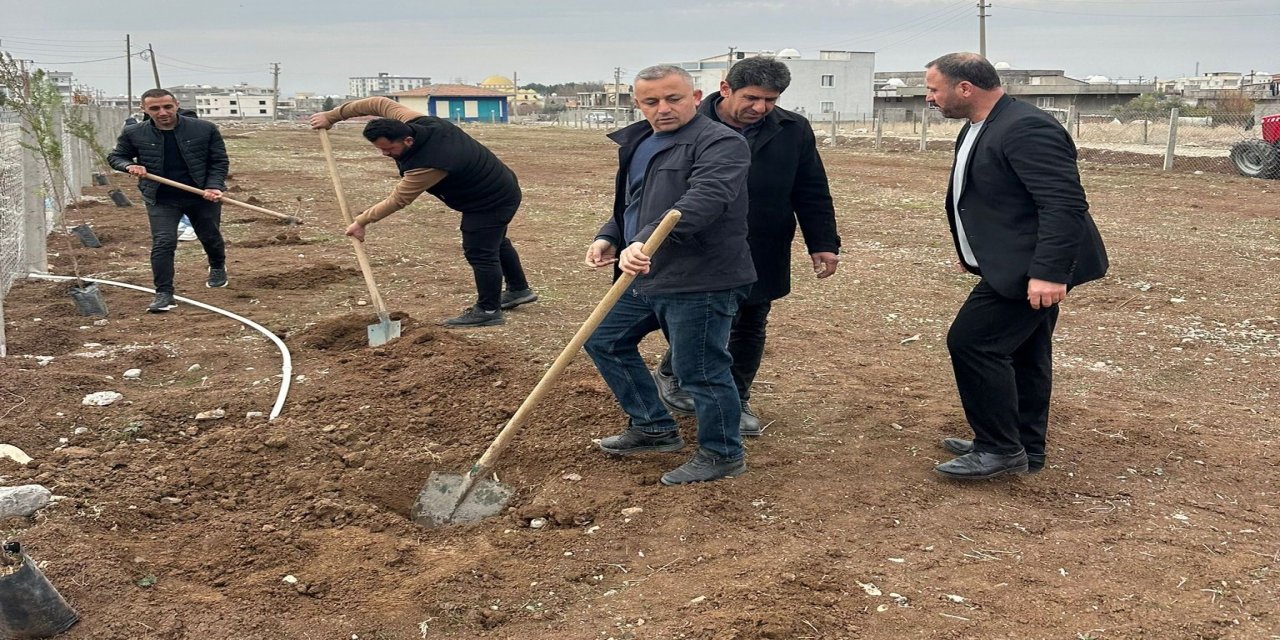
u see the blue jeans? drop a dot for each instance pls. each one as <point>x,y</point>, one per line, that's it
<point>697,326</point>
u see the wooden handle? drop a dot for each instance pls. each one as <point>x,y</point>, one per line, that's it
<point>186,187</point>
<point>562,361</point>
<point>365,269</point>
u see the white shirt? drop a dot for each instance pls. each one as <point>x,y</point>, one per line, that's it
<point>957,187</point>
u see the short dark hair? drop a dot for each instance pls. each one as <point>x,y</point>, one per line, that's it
<point>967,67</point>
<point>157,93</point>
<point>391,129</point>
<point>769,74</point>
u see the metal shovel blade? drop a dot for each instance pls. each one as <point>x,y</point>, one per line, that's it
<point>442,501</point>
<point>385,331</point>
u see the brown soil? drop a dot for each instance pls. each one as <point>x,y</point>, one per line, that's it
<point>1155,518</point>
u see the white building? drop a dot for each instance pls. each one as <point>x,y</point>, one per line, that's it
<point>241,102</point>
<point>838,81</point>
<point>383,84</point>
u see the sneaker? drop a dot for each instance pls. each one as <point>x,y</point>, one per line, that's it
<point>703,467</point>
<point>677,400</point>
<point>513,299</point>
<point>750,425</point>
<point>217,278</point>
<point>162,303</point>
<point>476,317</point>
<point>634,441</point>
<point>186,234</point>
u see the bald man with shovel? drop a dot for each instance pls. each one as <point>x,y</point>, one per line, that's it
<point>435,156</point>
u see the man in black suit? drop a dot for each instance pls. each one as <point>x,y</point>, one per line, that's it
<point>1020,221</point>
<point>787,183</point>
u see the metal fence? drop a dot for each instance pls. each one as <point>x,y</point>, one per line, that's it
<point>28,210</point>
<point>1172,142</point>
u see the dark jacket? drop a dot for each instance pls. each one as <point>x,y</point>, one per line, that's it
<point>1023,208</point>
<point>787,182</point>
<point>202,149</point>
<point>477,181</point>
<point>703,174</point>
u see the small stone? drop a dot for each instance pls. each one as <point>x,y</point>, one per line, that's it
<point>632,511</point>
<point>100,323</point>
<point>537,523</point>
<point>698,600</point>
<point>277,442</point>
<point>171,500</point>
<point>132,374</point>
<point>361,303</point>
<point>882,608</point>
<point>252,415</point>
<point>571,477</point>
<point>101,398</point>
<point>79,431</point>
<point>953,597</point>
<point>214,414</point>
<point>290,580</point>
<point>194,367</point>
<point>13,453</point>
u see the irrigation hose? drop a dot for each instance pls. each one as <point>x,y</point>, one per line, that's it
<point>286,360</point>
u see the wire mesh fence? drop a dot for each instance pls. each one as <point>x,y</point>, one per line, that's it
<point>28,208</point>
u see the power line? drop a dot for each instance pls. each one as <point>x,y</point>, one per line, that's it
<point>49,62</point>
<point>1139,15</point>
<point>926,32</point>
<point>954,9</point>
<point>59,40</point>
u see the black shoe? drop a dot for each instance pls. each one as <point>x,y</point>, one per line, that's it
<point>217,278</point>
<point>476,317</point>
<point>981,465</point>
<point>513,299</point>
<point>703,467</point>
<point>750,425</point>
<point>960,446</point>
<point>162,303</point>
<point>677,400</point>
<point>634,441</point>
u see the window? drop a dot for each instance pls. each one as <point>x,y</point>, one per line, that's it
<point>233,112</point>
<point>828,107</point>
<point>1045,102</point>
<point>262,103</point>
<point>262,111</point>
<point>828,80</point>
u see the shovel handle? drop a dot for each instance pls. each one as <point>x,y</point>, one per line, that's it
<point>244,205</point>
<point>363,259</point>
<point>562,361</point>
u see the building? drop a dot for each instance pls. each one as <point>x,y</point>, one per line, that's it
<point>838,81</point>
<point>900,94</point>
<point>611,97</point>
<point>457,102</point>
<point>383,84</point>
<point>240,102</point>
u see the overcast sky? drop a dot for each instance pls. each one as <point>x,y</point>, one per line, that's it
<point>320,43</point>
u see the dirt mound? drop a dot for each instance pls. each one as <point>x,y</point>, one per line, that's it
<point>284,238</point>
<point>302,278</point>
<point>347,333</point>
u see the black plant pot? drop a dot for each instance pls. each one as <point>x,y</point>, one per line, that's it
<point>119,198</point>
<point>100,179</point>
<point>30,607</point>
<point>87,237</point>
<point>89,301</point>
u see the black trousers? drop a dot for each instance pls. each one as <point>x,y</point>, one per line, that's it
<point>1002,354</point>
<point>205,216</point>
<point>492,256</point>
<point>746,345</point>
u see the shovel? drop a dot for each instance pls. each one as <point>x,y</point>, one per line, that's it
<point>244,205</point>
<point>387,329</point>
<point>451,498</point>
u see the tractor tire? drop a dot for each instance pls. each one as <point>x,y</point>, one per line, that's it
<point>1256,159</point>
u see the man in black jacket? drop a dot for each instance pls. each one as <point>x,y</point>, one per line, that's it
<point>787,182</point>
<point>676,159</point>
<point>1020,221</point>
<point>187,150</point>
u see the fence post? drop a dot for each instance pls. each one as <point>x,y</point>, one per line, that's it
<point>833,126</point>
<point>1073,116</point>
<point>1145,122</point>
<point>924,130</point>
<point>1173,139</point>
<point>879,129</point>
<point>35,257</point>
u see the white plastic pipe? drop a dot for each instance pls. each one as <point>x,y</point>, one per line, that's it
<point>286,360</point>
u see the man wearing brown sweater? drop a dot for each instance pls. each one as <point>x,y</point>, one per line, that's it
<point>436,157</point>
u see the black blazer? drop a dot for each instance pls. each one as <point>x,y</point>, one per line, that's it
<point>199,141</point>
<point>1023,208</point>
<point>787,183</point>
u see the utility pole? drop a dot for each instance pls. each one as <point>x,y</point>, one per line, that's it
<point>128,73</point>
<point>275,89</point>
<point>617,96</point>
<point>982,28</point>
<point>729,65</point>
<point>515,94</point>
<point>155,72</point>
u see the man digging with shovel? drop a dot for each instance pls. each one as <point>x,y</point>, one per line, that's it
<point>435,156</point>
